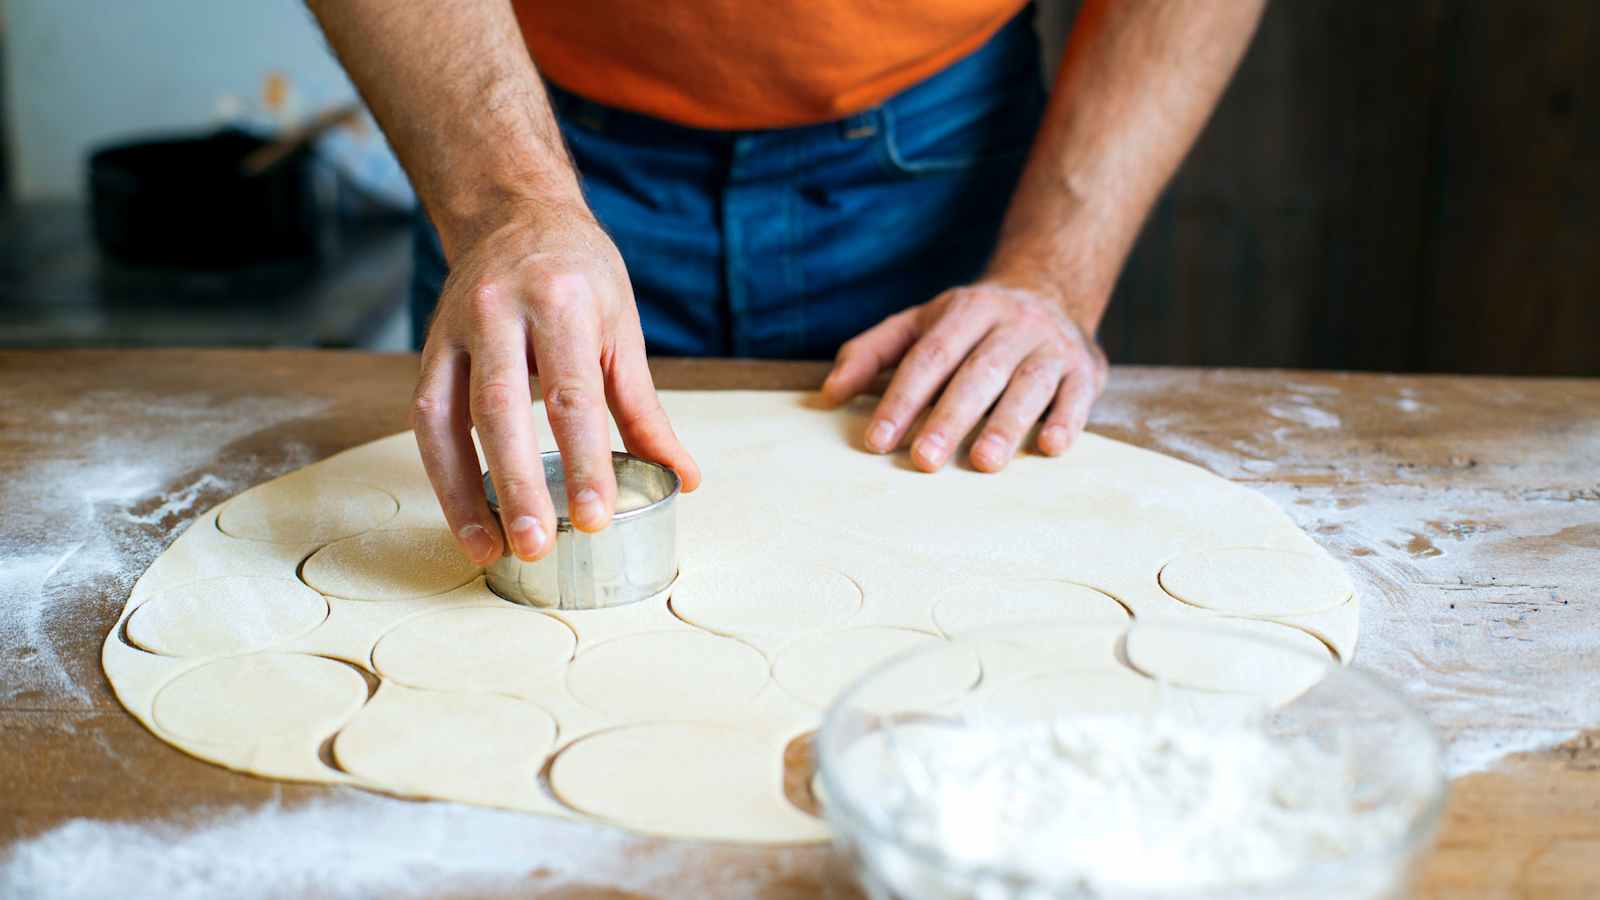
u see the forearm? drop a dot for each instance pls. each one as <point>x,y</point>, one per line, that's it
<point>454,89</point>
<point>1137,83</point>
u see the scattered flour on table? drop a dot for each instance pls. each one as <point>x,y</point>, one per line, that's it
<point>1483,629</point>
<point>1484,637</point>
<point>359,845</point>
<point>1116,804</point>
<point>106,494</point>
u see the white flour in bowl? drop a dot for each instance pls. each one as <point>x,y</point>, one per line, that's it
<point>1123,806</point>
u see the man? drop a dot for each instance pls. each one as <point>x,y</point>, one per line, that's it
<point>782,178</point>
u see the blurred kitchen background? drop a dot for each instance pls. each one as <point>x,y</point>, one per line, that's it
<point>1406,187</point>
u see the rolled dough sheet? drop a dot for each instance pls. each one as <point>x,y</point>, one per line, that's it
<point>672,716</point>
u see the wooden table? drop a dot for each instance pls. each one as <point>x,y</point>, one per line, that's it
<point>1469,509</point>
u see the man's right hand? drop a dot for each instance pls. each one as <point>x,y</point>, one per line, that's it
<point>544,293</point>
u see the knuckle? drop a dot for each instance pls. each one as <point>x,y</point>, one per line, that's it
<point>990,366</point>
<point>565,400</point>
<point>484,300</point>
<point>559,291</point>
<point>515,490</point>
<point>492,399</point>
<point>934,355</point>
<point>427,411</point>
<point>1047,368</point>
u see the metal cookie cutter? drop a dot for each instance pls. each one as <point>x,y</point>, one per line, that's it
<point>633,558</point>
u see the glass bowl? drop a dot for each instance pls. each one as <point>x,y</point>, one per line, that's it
<point>1159,760</point>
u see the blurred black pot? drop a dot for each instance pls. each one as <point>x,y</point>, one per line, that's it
<point>187,202</point>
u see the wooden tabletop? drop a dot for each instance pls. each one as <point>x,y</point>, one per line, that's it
<point>1468,509</point>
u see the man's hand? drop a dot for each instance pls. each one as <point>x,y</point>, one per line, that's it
<point>983,343</point>
<point>545,293</point>
<point>535,285</point>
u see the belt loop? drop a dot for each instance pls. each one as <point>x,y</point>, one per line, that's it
<point>859,126</point>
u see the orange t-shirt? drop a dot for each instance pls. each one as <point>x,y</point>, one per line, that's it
<point>742,64</point>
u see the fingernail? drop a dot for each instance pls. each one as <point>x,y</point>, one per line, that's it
<point>1053,438</point>
<point>881,433</point>
<point>930,448</point>
<point>990,449</point>
<point>527,532</point>
<point>478,543</point>
<point>587,507</point>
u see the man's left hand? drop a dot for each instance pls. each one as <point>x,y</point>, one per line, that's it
<point>988,344</point>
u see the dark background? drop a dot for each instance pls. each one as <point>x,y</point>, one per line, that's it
<point>1407,186</point>
<point>1402,186</point>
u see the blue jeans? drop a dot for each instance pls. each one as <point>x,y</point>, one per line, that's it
<point>786,243</point>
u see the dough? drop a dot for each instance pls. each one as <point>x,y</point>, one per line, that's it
<point>227,615</point>
<point>1254,581</point>
<point>816,669</point>
<point>389,565</point>
<point>806,563</point>
<point>1106,692</point>
<point>669,675</point>
<point>260,697</point>
<point>477,747</point>
<point>1012,601</point>
<point>776,597</point>
<point>629,499</point>
<point>1264,659</point>
<point>687,780</point>
<point>483,648</point>
<point>299,510</point>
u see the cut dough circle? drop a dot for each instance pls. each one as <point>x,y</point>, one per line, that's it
<point>226,616</point>
<point>1108,692</point>
<point>479,748</point>
<point>666,675</point>
<point>1015,601</point>
<point>483,648</point>
<point>301,510</point>
<point>687,780</point>
<point>397,564</point>
<point>1264,659</point>
<point>1256,581</point>
<point>815,669</point>
<point>249,700</point>
<point>766,598</point>
<point>1046,650</point>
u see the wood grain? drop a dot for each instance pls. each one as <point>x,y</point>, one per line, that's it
<point>1473,503</point>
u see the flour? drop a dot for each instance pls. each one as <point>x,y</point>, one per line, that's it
<point>106,493</point>
<point>359,845</point>
<point>1118,805</point>
<point>1475,570</point>
<point>1480,634</point>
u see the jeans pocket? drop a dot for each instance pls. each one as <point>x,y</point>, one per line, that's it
<point>964,133</point>
<point>996,125</point>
